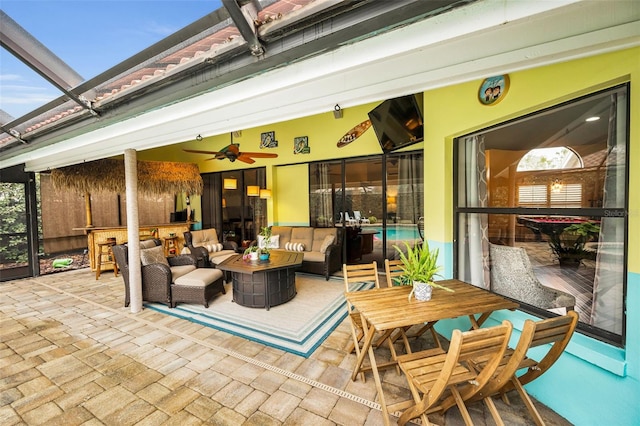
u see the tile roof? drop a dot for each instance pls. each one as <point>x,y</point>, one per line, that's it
<point>204,46</point>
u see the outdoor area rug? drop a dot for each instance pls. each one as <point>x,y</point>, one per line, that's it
<point>298,326</point>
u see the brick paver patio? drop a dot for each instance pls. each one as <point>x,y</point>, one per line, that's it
<point>71,354</point>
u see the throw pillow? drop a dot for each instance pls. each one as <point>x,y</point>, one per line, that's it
<point>153,255</point>
<point>328,240</point>
<point>294,246</point>
<point>212,248</point>
<point>273,243</point>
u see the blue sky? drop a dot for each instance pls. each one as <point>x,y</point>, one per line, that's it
<point>91,36</point>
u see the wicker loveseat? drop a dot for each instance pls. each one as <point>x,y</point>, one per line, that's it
<point>321,247</point>
<point>156,277</point>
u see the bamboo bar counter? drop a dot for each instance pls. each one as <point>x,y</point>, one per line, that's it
<point>97,235</point>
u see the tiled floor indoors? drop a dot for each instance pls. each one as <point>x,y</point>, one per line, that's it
<point>71,354</point>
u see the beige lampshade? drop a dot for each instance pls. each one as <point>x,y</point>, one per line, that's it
<point>230,183</point>
<point>265,193</point>
<point>253,191</point>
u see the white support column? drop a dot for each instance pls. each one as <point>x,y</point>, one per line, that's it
<point>133,231</point>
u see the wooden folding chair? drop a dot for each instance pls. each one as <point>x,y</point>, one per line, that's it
<point>433,372</point>
<point>393,269</point>
<point>555,332</point>
<point>367,272</point>
<point>358,274</point>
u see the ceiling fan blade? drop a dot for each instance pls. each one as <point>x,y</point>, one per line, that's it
<point>245,159</point>
<point>260,155</point>
<point>195,151</point>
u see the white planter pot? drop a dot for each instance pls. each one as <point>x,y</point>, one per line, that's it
<point>254,255</point>
<point>422,291</point>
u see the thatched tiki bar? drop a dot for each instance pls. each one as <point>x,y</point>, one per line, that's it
<point>108,175</point>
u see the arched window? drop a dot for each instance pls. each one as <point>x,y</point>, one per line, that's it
<point>549,159</point>
<point>554,192</point>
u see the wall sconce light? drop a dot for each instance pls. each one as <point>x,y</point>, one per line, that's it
<point>556,186</point>
<point>230,183</point>
<point>391,199</point>
<point>224,203</point>
<point>253,191</point>
<point>337,111</point>
<point>265,193</point>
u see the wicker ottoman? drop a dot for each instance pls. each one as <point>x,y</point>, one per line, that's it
<point>197,286</point>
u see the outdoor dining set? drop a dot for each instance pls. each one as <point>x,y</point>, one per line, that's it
<point>472,367</point>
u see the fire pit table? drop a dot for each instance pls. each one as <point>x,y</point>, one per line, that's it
<point>263,283</point>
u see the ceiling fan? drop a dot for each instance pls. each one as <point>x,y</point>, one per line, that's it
<point>232,153</point>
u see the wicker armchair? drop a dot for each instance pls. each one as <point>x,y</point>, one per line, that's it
<point>157,277</point>
<point>205,246</point>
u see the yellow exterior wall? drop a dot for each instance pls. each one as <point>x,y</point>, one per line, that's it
<point>323,130</point>
<point>292,191</point>
<point>454,111</point>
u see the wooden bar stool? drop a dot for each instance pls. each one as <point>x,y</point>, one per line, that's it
<point>171,246</point>
<point>104,256</point>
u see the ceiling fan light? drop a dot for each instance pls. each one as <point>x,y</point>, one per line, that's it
<point>230,183</point>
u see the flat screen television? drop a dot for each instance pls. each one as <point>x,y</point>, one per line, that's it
<point>398,122</point>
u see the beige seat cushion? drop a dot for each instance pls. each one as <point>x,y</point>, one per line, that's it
<point>221,256</point>
<point>200,277</point>
<point>180,270</point>
<point>313,256</point>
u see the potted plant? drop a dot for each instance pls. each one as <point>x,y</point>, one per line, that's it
<point>265,233</point>
<point>420,267</point>
<point>250,253</point>
<point>569,245</point>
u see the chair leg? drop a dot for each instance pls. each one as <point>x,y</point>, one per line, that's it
<point>494,411</point>
<point>537,418</point>
<point>463,408</point>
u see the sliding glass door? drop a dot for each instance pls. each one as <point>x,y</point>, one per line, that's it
<point>378,200</point>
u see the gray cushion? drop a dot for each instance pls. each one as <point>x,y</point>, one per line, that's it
<point>149,256</point>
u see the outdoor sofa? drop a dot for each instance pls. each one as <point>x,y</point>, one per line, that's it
<point>321,247</point>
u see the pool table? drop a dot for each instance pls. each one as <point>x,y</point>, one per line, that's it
<point>548,225</point>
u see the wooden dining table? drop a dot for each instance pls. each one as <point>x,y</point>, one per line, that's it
<point>386,309</point>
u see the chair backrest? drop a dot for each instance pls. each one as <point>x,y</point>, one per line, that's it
<point>366,272</point>
<point>489,343</point>
<point>556,331</point>
<point>392,269</point>
<point>357,215</point>
<point>360,273</point>
<point>511,271</point>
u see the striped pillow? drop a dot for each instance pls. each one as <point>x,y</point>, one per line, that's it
<point>294,246</point>
<point>212,248</point>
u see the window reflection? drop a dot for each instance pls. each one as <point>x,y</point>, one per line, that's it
<point>554,185</point>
